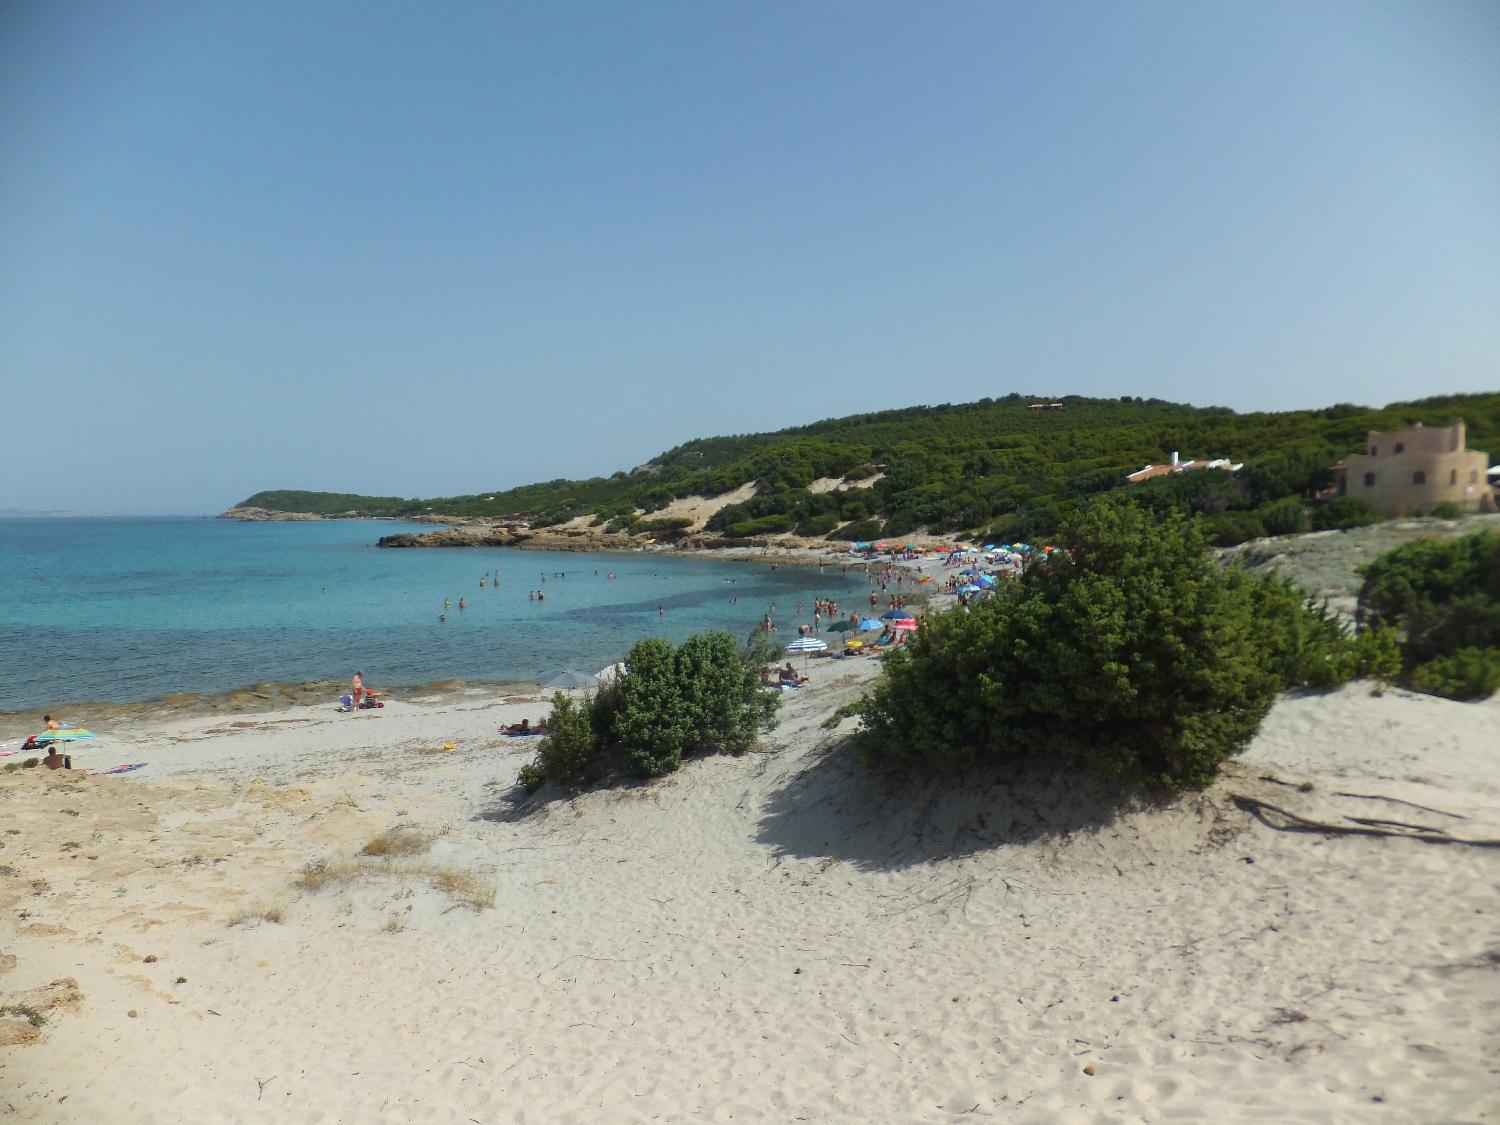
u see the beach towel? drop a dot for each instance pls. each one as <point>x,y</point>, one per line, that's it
<point>125,767</point>
<point>523,733</point>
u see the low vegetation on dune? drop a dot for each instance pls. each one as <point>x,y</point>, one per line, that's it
<point>702,697</point>
<point>1132,651</point>
<point>996,468</point>
<point>1443,596</point>
<point>388,855</point>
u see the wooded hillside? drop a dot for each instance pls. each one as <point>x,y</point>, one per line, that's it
<point>992,467</point>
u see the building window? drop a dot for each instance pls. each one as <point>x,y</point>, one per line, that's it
<point>1473,476</point>
<point>1452,476</point>
<point>1419,477</point>
<point>1401,447</point>
<point>1373,451</point>
<point>1343,485</point>
<point>1369,480</point>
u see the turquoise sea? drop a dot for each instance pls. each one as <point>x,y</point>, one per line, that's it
<point>128,610</point>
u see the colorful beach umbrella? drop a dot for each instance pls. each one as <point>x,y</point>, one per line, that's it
<point>842,626</point>
<point>896,614</point>
<point>906,626</point>
<point>871,623</point>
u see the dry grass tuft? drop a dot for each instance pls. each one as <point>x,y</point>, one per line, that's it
<point>260,913</point>
<point>462,885</point>
<point>400,840</point>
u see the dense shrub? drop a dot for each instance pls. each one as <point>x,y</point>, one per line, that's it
<point>723,705</point>
<point>651,725</point>
<point>1443,595</point>
<point>818,525</point>
<point>665,525</point>
<point>1344,512</point>
<point>766,525</point>
<point>568,754</point>
<point>861,531</point>
<point>1308,645</point>
<point>1135,652</point>
<point>1467,673</point>
<point>1287,516</point>
<point>1229,528</point>
<point>1447,510</point>
<point>704,697</point>
<point>1294,474</point>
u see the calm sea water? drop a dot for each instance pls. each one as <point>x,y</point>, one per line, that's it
<point>125,610</point>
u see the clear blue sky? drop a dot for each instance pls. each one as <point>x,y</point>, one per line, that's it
<point>422,249</point>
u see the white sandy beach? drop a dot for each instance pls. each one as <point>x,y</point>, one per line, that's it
<point>782,936</point>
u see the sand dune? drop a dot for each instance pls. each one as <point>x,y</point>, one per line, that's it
<point>781,936</point>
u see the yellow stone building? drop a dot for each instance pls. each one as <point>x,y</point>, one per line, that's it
<point>1412,470</point>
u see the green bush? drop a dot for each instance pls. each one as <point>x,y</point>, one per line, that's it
<point>1284,517</point>
<point>1443,595</point>
<point>818,525</point>
<point>665,525</point>
<point>1467,673</point>
<point>1138,654</point>
<point>652,722</point>
<point>722,701</point>
<point>568,754</point>
<point>1229,528</point>
<point>1308,645</point>
<point>1447,510</point>
<point>703,698</point>
<point>1344,512</point>
<point>861,531</point>
<point>765,525</point>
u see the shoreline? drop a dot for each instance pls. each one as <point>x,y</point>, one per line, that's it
<point>268,697</point>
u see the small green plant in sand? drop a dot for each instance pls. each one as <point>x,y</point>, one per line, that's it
<point>34,1016</point>
<point>259,913</point>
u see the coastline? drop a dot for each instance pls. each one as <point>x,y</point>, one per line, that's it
<point>107,717</point>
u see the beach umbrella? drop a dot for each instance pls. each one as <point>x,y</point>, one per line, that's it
<point>841,626</point>
<point>969,570</point>
<point>970,588</point>
<point>985,580</point>
<point>871,623</point>
<point>905,626</point>
<point>807,646</point>
<point>572,679</point>
<point>895,614</point>
<point>613,672</point>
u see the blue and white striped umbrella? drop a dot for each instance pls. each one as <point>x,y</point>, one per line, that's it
<point>807,645</point>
